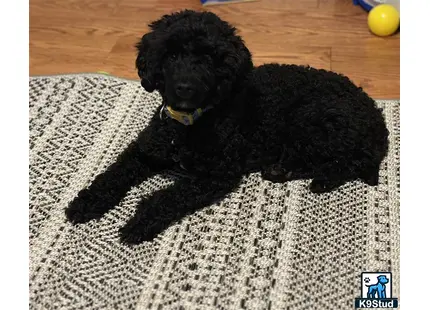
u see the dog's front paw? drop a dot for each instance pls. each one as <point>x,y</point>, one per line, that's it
<point>276,174</point>
<point>137,231</point>
<point>84,208</point>
<point>323,186</point>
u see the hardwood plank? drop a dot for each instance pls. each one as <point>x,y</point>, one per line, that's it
<point>122,57</point>
<point>318,57</point>
<point>92,35</point>
<point>374,65</point>
<point>46,61</point>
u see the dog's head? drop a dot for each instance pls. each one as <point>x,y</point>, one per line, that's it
<point>383,279</point>
<point>193,58</point>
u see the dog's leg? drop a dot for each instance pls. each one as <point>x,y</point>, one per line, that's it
<point>323,185</point>
<point>166,206</point>
<point>371,176</point>
<point>275,173</point>
<point>371,291</point>
<point>280,171</point>
<point>330,176</point>
<point>108,188</point>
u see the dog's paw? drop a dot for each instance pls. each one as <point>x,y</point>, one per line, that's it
<point>322,186</point>
<point>135,232</point>
<point>84,208</point>
<point>276,174</point>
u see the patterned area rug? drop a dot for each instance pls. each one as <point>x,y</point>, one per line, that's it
<point>266,246</point>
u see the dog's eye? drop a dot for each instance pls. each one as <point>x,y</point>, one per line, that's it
<point>174,56</point>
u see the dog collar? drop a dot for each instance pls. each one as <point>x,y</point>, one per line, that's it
<point>183,117</point>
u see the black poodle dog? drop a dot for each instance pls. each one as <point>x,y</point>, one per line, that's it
<point>222,118</point>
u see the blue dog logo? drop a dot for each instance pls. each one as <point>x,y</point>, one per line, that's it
<point>378,288</point>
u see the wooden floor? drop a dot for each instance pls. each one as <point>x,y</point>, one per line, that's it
<point>99,35</point>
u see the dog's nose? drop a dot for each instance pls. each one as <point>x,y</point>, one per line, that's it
<point>185,90</point>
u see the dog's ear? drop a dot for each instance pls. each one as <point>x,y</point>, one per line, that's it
<point>237,63</point>
<point>151,49</point>
<point>148,62</point>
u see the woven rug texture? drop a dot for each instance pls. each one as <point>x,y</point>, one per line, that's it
<point>265,246</point>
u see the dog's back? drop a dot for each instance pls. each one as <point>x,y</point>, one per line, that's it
<point>322,115</point>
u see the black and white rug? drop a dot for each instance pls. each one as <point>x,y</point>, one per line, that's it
<point>266,246</point>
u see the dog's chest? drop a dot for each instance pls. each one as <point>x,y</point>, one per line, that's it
<point>202,150</point>
<point>180,155</point>
<point>191,154</point>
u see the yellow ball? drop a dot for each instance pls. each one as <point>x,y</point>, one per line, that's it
<point>383,20</point>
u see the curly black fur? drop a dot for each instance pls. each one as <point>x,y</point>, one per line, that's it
<point>287,121</point>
